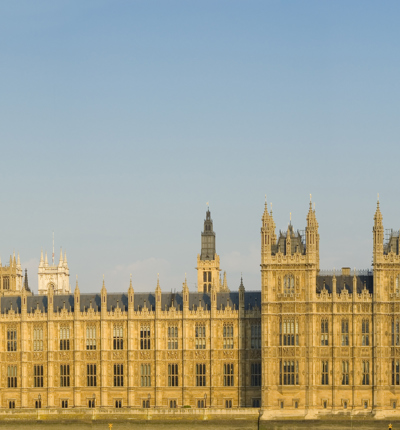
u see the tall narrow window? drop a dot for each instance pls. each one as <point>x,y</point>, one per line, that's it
<point>6,283</point>
<point>118,337</point>
<point>12,376</point>
<point>365,332</point>
<point>228,336</point>
<point>288,284</point>
<point>91,375</point>
<point>118,375</point>
<point>172,375</point>
<point>200,375</point>
<point>397,284</point>
<point>38,376</point>
<point>200,336</point>
<point>145,337</point>
<point>256,374</point>
<point>289,372</point>
<point>64,338</point>
<point>325,373</point>
<point>345,333</point>
<point>172,337</point>
<point>255,336</point>
<point>228,374</point>
<point>324,332</point>
<point>145,375</point>
<point>289,329</point>
<point>345,373</point>
<point>395,332</point>
<point>38,339</point>
<point>11,340</point>
<point>90,337</point>
<point>395,372</point>
<point>64,375</point>
<point>365,372</point>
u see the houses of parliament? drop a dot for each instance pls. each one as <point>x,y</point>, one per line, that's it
<point>307,344</point>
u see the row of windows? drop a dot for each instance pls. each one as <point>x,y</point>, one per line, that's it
<point>145,375</point>
<point>145,341</point>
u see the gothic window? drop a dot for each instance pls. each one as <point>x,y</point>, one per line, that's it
<point>200,375</point>
<point>325,373</point>
<point>90,338</point>
<point>324,332</point>
<point>228,336</point>
<point>118,337</point>
<point>91,375</point>
<point>288,284</point>
<point>365,372</point>
<point>256,336</point>
<point>345,373</point>
<point>11,339</point>
<point>172,375</point>
<point>397,284</point>
<point>145,375</point>
<point>145,337</point>
<point>289,330</point>
<point>200,333</point>
<point>64,338</point>
<point>6,283</point>
<point>395,332</point>
<point>38,376</point>
<point>172,337</point>
<point>228,374</point>
<point>64,375</point>
<point>38,339</point>
<point>118,375</point>
<point>289,372</point>
<point>12,376</point>
<point>395,372</point>
<point>207,281</point>
<point>256,374</point>
<point>345,333</point>
<point>365,332</point>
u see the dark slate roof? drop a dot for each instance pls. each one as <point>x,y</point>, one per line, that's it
<point>90,300</point>
<point>35,302</point>
<point>296,242</point>
<point>59,301</point>
<point>342,281</point>
<point>10,302</point>
<point>141,298</point>
<point>167,299</point>
<point>117,300</point>
<point>252,299</point>
<point>196,298</point>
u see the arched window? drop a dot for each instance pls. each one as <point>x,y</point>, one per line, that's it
<point>288,284</point>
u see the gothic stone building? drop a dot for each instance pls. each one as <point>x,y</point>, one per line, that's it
<point>308,344</point>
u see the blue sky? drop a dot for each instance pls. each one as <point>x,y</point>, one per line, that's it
<point>119,120</point>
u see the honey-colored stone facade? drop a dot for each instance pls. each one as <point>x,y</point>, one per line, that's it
<point>309,344</point>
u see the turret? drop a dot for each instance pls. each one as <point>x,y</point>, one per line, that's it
<point>268,237</point>
<point>131,298</point>
<point>103,294</point>
<point>378,233</point>
<point>312,237</point>
<point>158,296</point>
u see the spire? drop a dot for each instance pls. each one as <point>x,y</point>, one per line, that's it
<point>26,286</point>
<point>61,262</point>
<point>46,263</point>
<point>65,260</point>
<point>18,261</point>
<point>265,216</point>
<point>208,239</point>
<point>41,258</point>
<point>76,285</point>
<point>241,286</point>
<point>14,261</point>
<point>130,282</point>
<point>225,284</point>
<point>158,283</point>
<point>378,215</point>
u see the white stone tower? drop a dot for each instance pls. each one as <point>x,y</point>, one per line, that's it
<point>54,276</point>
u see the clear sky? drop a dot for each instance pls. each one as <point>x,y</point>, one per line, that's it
<point>119,120</point>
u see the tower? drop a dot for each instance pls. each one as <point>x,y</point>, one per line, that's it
<point>289,267</point>
<point>208,261</point>
<point>55,277</point>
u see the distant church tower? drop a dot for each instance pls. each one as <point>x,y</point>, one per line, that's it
<point>208,261</point>
<point>55,277</point>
